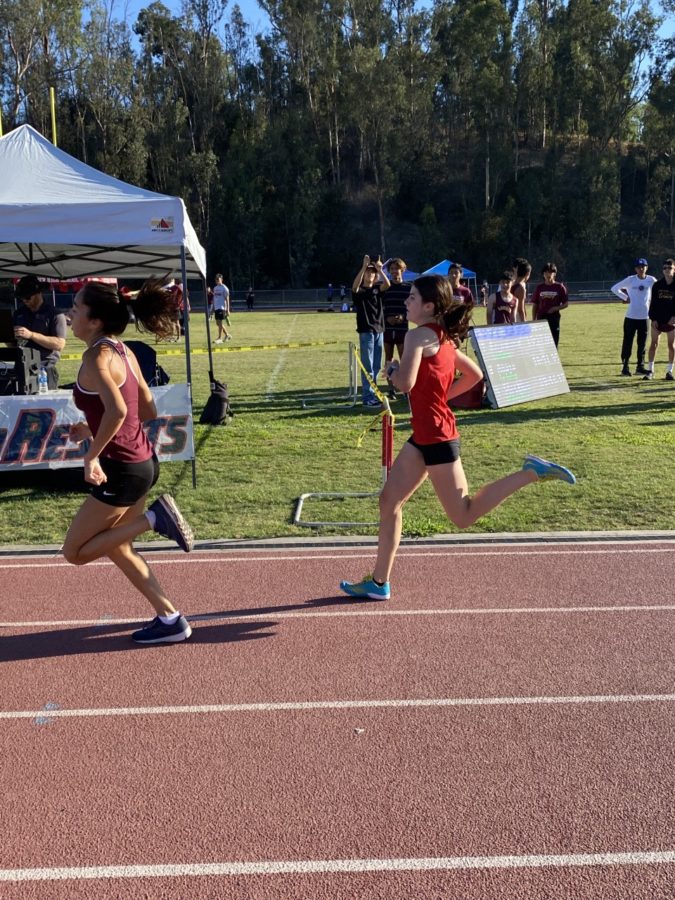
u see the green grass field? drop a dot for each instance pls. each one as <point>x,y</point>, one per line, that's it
<point>615,433</point>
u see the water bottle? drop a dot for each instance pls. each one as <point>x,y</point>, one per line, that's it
<point>43,384</point>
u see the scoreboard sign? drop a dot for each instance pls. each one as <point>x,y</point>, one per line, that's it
<point>520,362</point>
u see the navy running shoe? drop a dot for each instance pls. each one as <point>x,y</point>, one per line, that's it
<point>170,523</point>
<point>159,633</point>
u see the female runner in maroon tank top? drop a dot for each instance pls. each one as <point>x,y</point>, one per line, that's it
<point>427,373</point>
<point>120,463</point>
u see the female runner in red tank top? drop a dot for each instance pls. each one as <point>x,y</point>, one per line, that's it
<point>427,373</point>
<point>120,463</point>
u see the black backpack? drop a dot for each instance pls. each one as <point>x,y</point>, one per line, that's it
<point>217,410</point>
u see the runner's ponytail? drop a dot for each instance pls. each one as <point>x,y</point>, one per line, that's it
<point>454,317</point>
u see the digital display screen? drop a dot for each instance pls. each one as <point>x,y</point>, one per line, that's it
<point>520,362</point>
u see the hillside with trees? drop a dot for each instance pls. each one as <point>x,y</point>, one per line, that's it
<point>472,129</point>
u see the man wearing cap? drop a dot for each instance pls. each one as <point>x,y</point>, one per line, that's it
<point>40,326</point>
<point>636,291</point>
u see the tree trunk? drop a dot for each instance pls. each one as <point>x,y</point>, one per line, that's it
<point>380,212</point>
<point>487,169</point>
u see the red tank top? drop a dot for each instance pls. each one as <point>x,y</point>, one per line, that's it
<point>130,444</point>
<point>432,419</point>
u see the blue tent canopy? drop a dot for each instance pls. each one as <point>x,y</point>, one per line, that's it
<point>442,268</point>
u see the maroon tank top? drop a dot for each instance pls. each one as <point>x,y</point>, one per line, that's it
<point>505,310</point>
<point>130,444</point>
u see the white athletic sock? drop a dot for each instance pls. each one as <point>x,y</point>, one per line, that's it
<point>169,620</point>
<point>152,518</point>
<point>670,368</point>
<point>651,367</point>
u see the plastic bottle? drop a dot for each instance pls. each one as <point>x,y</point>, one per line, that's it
<point>43,384</point>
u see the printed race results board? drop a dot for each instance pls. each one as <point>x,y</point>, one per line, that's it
<point>35,429</point>
<point>520,362</point>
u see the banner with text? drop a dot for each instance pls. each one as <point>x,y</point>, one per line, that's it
<point>35,430</point>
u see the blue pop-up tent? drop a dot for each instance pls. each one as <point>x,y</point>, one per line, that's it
<point>443,267</point>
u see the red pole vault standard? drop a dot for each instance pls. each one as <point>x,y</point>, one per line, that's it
<point>387,458</point>
<point>387,445</point>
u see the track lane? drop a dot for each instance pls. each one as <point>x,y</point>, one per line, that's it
<point>365,784</point>
<point>267,660</point>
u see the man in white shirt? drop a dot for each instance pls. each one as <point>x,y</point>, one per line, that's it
<point>221,309</point>
<point>636,291</point>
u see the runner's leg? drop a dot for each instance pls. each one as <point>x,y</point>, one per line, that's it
<point>451,487</point>
<point>407,474</point>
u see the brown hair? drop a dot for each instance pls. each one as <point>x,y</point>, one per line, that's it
<point>154,306</point>
<point>453,317</point>
<point>397,261</point>
<point>550,267</point>
<point>522,266</point>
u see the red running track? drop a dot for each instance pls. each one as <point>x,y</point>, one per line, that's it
<point>503,727</point>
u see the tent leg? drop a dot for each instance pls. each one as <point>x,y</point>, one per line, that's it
<point>208,326</point>
<point>188,360</point>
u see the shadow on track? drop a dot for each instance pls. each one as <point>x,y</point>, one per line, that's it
<point>209,628</point>
<point>114,638</point>
<point>318,603</point>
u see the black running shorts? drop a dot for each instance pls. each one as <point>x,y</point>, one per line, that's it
<point>127,482</point>
<point>438,454</point>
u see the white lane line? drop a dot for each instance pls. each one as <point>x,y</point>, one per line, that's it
<point>218,560</point>
<point>354,611</point>
<point>272,381</point>
<point>309,705</point>
<point>330,866</point>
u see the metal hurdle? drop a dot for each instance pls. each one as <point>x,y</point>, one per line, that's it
<point>387,461</point>
<point>352,395</point>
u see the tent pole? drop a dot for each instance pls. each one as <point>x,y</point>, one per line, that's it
<point>188,361</point>
<point>208,328</point>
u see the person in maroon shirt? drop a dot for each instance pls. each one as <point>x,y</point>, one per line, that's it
<point>120,462</point>
<point>502,305</point>
<point>427,372</point>
<point>548,299</point>
<point>460,292</point>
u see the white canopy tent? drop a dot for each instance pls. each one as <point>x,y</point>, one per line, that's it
<point>60,218</point>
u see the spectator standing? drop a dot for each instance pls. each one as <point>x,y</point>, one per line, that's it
<point>460,292</point>
<point>221,309</point>
<point>367,301</point>
<point>395,318</point>
<point>40,326</point>
<point>250,299</point>
<point>502,305</point>
<point>636,291</point>
<point>523,270</point>
<point>662,315</point>
<point>549,298</point>
<point>483,294</point>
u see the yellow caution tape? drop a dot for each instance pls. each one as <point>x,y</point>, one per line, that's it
<point>200,351</point>
<point>386,411</point>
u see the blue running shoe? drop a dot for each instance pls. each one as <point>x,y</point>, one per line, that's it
<point>170,523</point>
<point>545,469</point>
<point>159,633</point>
<point>366,589</point>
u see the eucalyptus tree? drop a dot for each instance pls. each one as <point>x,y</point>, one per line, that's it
<point>33,37</point>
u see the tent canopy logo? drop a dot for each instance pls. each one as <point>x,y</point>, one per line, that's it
<point>163,223</point>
